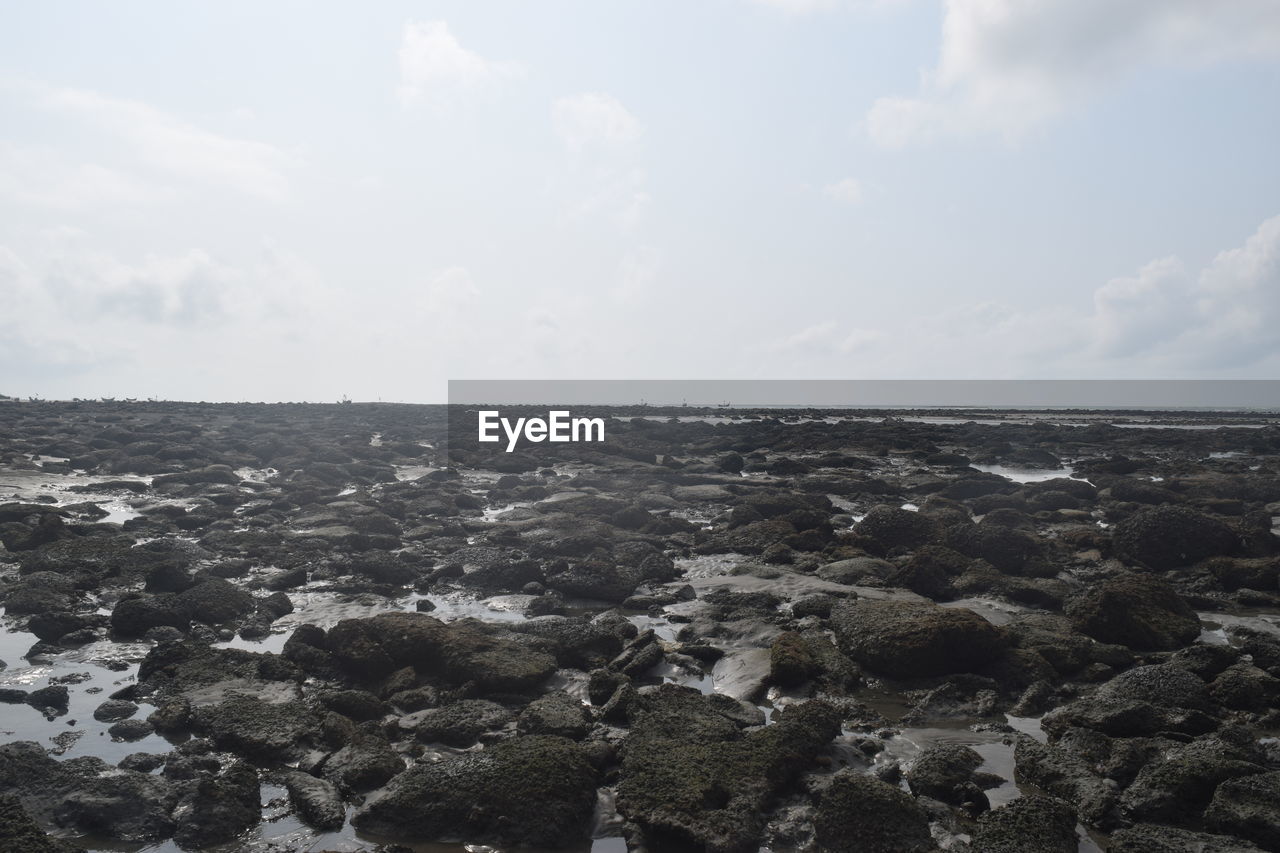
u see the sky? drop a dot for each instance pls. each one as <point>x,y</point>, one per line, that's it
<point>311,200</point>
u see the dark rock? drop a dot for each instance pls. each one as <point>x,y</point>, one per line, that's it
<point>21,834</point>
<point>861,814</point>
<point>555,714</point>
<point>316,800</point>
<point>1170,536</point>
<point>905,639</point>
<point>1139,611</point>
<point>365,763</point>
<point>1248,807</point>
<point>458,724</point>
<point>114,709</point>
<point>535,790</point>
<point>690,777</point>
<point>1030,824</point>
<point>218,809</point>
<point>1153,838</point>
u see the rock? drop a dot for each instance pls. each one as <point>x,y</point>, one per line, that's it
<point>1153,838</point>
<point>1067,776</point>
<point>791,663</point>
<point>365,763</point>
<point>255,728</point>
<point>55,696</point>
<point>942,771</point>
<point>359,705</point>
<point>1249,808</point>
<point>458,724</point>
<point>113,710</point>
<point>1177,786</point>
<point>861,814</point>
<point>555,714</point>
<point>1006,548</point>
<point>130,730</point>
<point>1029,824</point>
<point>904,639</point>
<point>1170,536</point>
<point>50,627</point>
<point>19,832</point>
<point>218,809</point>
<point>535,790</point>
<point>460,651</point>
<point>1142,701</point>
<point>690,776</point>
<point>1139,611</point>
<point>893,529</point>
<point>316,800</point>
<point>136,614</point>
<point>856,570</point>
<point>1244,687</point>
<point>215,601</point>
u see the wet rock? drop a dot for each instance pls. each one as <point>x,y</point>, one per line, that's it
<point>215,601</point>
<point>55,697</point>
<point>114,709</point>
<point>892,529</point>
<point>1139,611</point>
<point>19,832</point>
<point>818,605</point>
<point>359,705</point>
<point>576,642</point>
<point>1142,701</point>
<point>1245,687</point>
<point>86,795</point>
<point>555,714</point>
<point>1053,638</point>
<point>535,790</point>
<point>52,626</point>
<point>460,651</point>
<point>130,730</point>
<point>1154,838</point>
<point>1030,824</point>
<point>218,809</point>
<point>690,778</point>
<point>1170,536</point>
<point>791,663</point>
<point>861,814</point>
<point>316,800</point>
<point>1068,776</point>
<point>1006,548</point>
<point>904,639</point>
<point>365,763</point>
<point>143,762</point>
<point>458,724</point>
<point>856,570</point>
<point>943,772</point>
<point>1177,786</point>
<point>1248,807</point>
<point>256,729</point>
<point>136,614</point>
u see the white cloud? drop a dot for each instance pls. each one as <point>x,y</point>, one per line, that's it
<point>171,145</point>
<point>436,69</point>
<point>847,191</point>
<point>594,120</point>
<point>1006,66</point>
<point>1165,321</point>
<point>43,178</point>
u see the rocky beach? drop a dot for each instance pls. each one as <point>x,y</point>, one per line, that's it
<point>350,627</point>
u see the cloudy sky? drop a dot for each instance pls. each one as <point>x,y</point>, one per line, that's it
<point>305,200</point>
